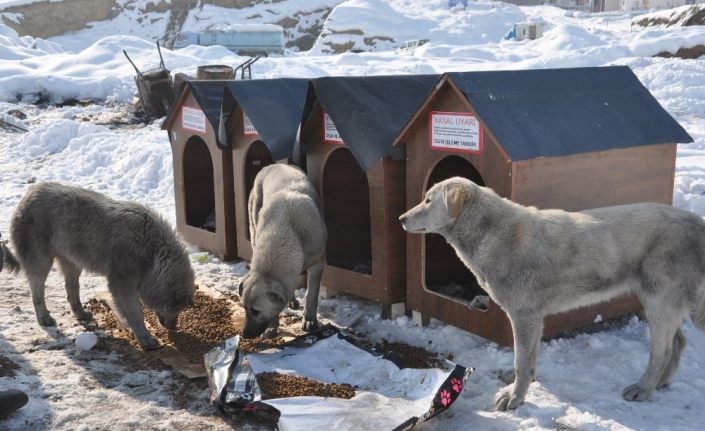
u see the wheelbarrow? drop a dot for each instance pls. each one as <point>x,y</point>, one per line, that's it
<point>155,87</point>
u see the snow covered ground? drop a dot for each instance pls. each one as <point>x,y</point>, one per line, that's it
<point>579,380</point>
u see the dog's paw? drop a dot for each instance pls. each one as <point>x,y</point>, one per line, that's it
<point>507,401</point>
<point>480,303</point>
<point>310,325</point>
<point>294,304</point>
<point>46,320</point>
<point>506,376</point>
<point>83,315</point>
<point>663,384</point>
<point>636,393</point>
<point>150,343</point>
<point>269,333</point>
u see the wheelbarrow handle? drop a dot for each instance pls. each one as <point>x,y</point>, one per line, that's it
<point>161,59</point>
<point>133,64</point>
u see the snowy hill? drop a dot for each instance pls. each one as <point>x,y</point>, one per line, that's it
<point>680,16</point>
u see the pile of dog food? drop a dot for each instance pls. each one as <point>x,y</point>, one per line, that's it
<point>214,319</point>
<point>275,385</point>
<point>209,322</point>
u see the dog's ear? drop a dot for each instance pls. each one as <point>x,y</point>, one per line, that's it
<point>454,196</point>
<point>276,299</point>
<point>241,284</point>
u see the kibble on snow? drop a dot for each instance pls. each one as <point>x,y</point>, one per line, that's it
<point>86,341</point>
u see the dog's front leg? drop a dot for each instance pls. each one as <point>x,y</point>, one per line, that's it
<point>315,273</point>
<point>125,296</point>
<point>272,330</point>
<point>527,328</point>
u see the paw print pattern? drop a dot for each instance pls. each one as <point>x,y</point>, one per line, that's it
<point>457,385</point>
<point>445,398</point>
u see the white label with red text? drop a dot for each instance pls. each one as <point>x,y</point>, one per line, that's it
<point>247,127</point>
<point>193,119</point>
<point>330,132</point>
<point>455,131</point>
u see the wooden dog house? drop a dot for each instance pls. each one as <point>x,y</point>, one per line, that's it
<point>202,169</point>
<point>260,121</point>
<point>560,138</point>
<point>349,125</point>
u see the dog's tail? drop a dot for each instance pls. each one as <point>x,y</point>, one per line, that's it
<point>698,313</point>
<point>7,259</point>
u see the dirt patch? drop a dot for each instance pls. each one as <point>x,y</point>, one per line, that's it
<point>114,118</point>
<point>403,355</point>
<point>7,367</point>
<point>275,385</point>
<point>287,22</point>
<point>412,356</point>
<point>686,53</point>
<point>338,48</point>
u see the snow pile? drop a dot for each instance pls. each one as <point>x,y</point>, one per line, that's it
<point>379,25</point>
<point>651,42</point>
<point>14,47</point>
<point>301,20</point>
<point>368,25</point>
<point>134,162</point>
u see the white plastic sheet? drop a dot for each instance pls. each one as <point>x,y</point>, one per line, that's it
<point>387,397</point>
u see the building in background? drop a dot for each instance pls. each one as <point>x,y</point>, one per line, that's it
<point>601,5</point>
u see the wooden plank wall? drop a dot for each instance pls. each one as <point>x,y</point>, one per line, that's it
<point>202,181</point>
<point>249,156</point>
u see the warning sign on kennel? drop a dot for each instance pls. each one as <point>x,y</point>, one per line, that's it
<point>193,119</point>
<point>455,131</point>
<point>247,128</point>
<point>330,132</point>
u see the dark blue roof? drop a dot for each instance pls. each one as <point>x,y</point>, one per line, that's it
<point>557,112</point>
<point>370,111</point>
<point>208,95</point>
<point>273,106</point>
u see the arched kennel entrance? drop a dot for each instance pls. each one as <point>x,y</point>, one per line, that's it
<point>346,208</point>
<point>203,169</point>
<point>256,159</point>
<point>444,273</point>
<point>199,186</point>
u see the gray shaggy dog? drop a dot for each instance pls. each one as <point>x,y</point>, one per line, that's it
<point>130,244</point>
<point>538,262</point>
<point>288,237</point>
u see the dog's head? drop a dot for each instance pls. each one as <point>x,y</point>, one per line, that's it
<point>182,284</point>
<point>168,289</point>
<point>263,298</point>
<point>440,208</point>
